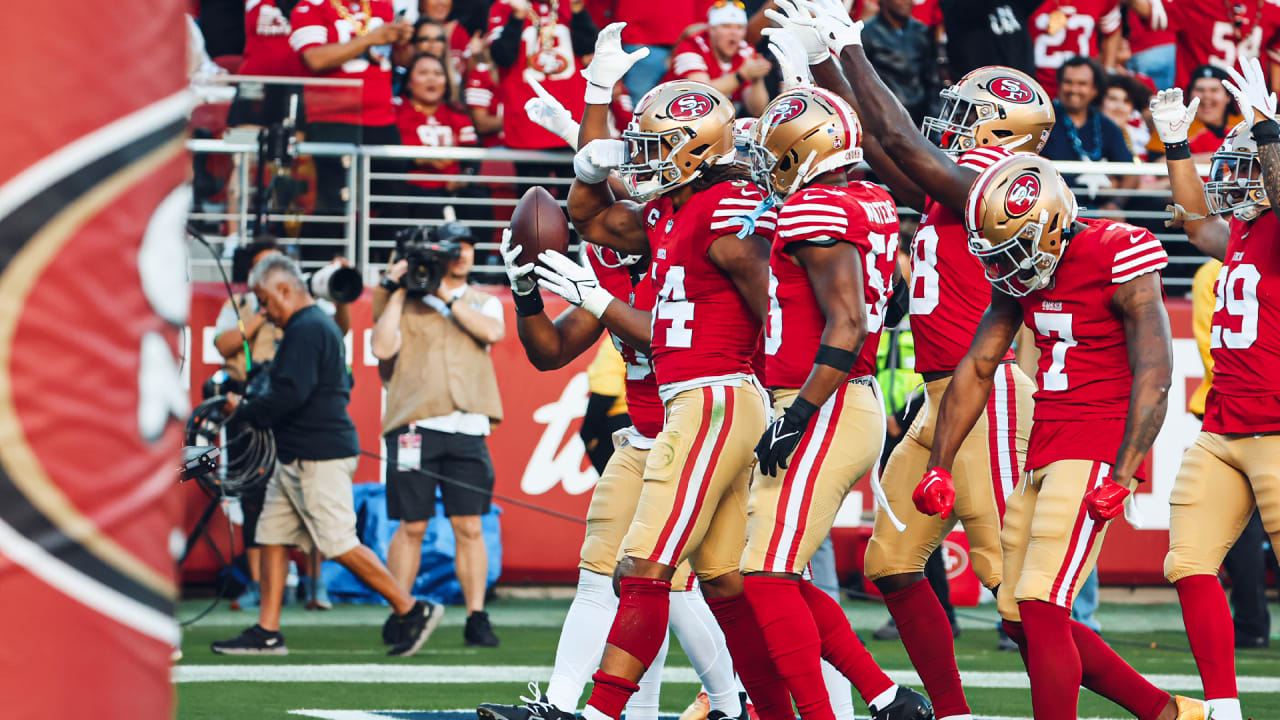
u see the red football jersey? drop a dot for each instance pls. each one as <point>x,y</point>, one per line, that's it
<point>445,127</point>
<point>643,404</point>
<point>482,92</point>
<point>863,215</point>
<point>546,51</point>
<point>695,55</point>
<point>1083,374</point>
<point>656,23</point>
<point>1245,339</point>
<point>1083,23</point>
<point>1207,33</point>
<point>266,42</point>
<point>318,22</point>
<point>702,327</point>
<point>949,288</point>
<point>1142,37</point>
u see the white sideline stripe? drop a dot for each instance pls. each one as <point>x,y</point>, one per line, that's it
<point>470,674</point>
<point>382,714</point>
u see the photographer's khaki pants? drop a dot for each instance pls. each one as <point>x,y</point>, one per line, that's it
<point>309,504</point>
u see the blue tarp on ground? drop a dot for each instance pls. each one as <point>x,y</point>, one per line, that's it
<point>436,580</point>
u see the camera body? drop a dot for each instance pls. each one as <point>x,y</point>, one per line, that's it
<point>427,257</point>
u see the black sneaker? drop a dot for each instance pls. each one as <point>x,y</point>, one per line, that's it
<point>907,705</point>
<point>535,708</point>
<point>414,627</point>
<point>254,641</point>
<point>390,631</point>
<point>479,633</point>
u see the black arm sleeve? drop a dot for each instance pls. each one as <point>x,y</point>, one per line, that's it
<point>899,302</point>
<point>583,32</point>
<point>506,47</point>
<point>294,374</point>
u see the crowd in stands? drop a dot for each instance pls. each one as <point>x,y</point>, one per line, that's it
<point>443,73</point>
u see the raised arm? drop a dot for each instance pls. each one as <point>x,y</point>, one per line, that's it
<point>1207,232</point>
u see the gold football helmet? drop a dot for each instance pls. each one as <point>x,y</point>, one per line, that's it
<point>992,105</point>
<point>679,129</point>
<point>1235,177</point>
<point>1018,217</point>
<point>802,134</point>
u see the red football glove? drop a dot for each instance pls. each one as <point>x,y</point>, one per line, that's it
<point>936,494</point>
<point>1106,501</point>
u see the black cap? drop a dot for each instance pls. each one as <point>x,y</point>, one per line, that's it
<point>454,231</point>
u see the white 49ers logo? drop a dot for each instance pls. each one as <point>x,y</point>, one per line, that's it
<point>1023,194</point>
<point>1012,89</point>
<point>689,106</point>
<point>785,110</point>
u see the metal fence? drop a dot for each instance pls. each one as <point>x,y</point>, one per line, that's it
<point>369,218</point>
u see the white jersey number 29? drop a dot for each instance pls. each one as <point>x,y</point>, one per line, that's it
<point>1237,291</point>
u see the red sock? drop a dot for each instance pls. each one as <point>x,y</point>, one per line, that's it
<point>841,646</point>
<point>751,660</point>
<point>792,638</point>
<point>1211,632</point>
<point>610,693</point>
<point>1106,673</point>
<point>638,629</point>
<point>1052,661</point>
<point>921,623</point>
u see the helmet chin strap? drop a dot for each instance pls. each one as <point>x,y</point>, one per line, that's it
<point>801,172</point>
<point>1018,140</point>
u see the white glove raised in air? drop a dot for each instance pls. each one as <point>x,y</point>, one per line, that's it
<point>790,53</point>
<point>548,113</point>
<point>592,163</point>
<point>1250,89</point>
<point>609,63</point>
<point>800,24</point>
<point>838,29</point>
<point>1172,119</point>
<point>572,281</point>
<point>521,276</point>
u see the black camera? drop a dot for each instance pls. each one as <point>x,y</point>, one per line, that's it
<point>428,258</point>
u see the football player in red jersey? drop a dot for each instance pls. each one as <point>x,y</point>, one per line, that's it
<point>1232,467</point>
<point>988,113</point>
<point>1090,291</point>
<point>687,201</point>
<point>831,273</point>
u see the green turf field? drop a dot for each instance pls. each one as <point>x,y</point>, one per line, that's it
<point>336,663</point>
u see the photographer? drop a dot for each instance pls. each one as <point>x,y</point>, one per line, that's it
<point>308,500</point>
<point>442,399</point>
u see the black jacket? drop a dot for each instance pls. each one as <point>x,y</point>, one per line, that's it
<point>907,62</point>
<point>988,32</point>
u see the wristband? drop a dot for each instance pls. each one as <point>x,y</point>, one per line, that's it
<point>802,410</point>
<point>528,304</point>
<point>389,285</point>
<point>1266,132</point>
<point>741,80</point>
<point>1178,151</point>
<point>598,94</point>
<point>596,301</point>
<point>835,357</point>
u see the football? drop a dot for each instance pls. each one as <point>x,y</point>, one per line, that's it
<point>538,224</point>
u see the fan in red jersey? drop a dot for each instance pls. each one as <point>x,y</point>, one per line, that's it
<point>266,52</point>
<point>1232,467</point>
<point>831,271</point>
<point>481,97</point>
<point>686,209</point>
<point>1215,32</point>
<point>720,57</point>
<point>426,117</point>
<point>1090,291</point>
<point>989,112</point>
<point>1062,29</point>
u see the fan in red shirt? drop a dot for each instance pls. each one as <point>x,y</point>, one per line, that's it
<point>480,95</point>
<point>1216,32</point>
<point>1061,29</point>
<point>425,117</point>
<point>1090,291</point>
<point>720,57</point>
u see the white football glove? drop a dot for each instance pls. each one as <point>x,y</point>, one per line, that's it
<point>521,276</point>
<point>1250,89</point>
<point>838,29</point>
<point>609,63</point>
<point>792,59</point>
<point>803,26</point>
<point>1171,118</point>
<point>547,112</point>
<point>592,163</point>
<point>572,281</point>
<point>1159,19</point>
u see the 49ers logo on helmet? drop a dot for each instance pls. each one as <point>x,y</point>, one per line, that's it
<point>785,110</point>
<point>690,106</point>
<point>1012,90</point>
<point>1023,194</point>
